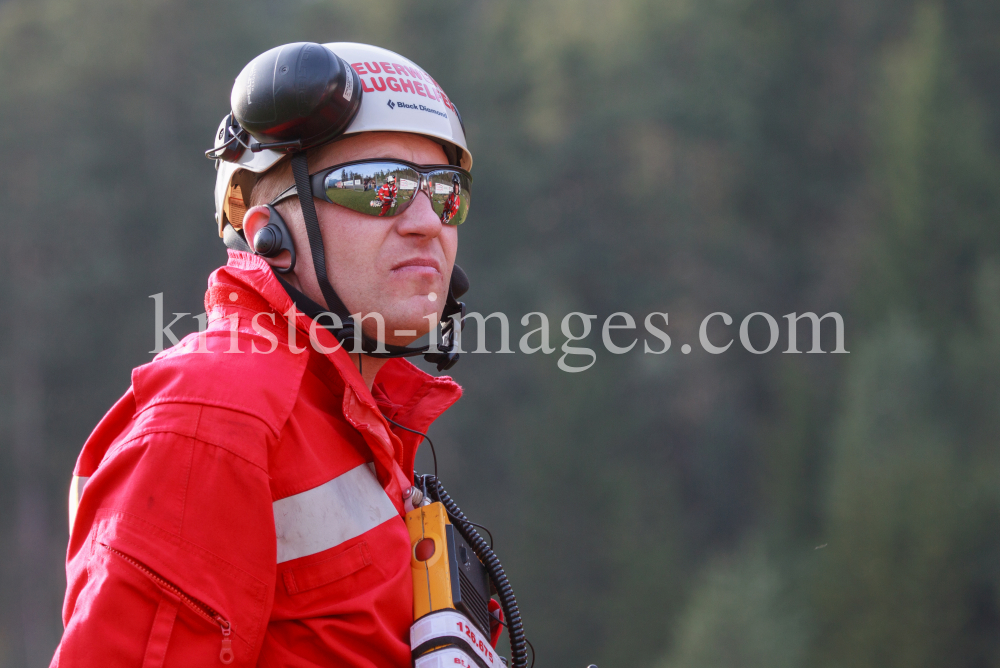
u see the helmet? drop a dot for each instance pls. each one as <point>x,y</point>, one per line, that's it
<point>396,96</point>
<point>390,179</point>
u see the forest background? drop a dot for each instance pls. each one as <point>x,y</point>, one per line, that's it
<point>676,155</point>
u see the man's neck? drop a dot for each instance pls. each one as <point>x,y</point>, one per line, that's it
<point>368,366</point>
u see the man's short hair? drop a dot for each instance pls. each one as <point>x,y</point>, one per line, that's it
<point>279,178</point>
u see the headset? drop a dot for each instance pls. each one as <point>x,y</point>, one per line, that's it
<point>290,99</point>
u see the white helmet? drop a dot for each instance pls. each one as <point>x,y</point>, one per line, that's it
<point>396,96</point>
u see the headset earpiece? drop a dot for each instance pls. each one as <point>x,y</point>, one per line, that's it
<point>274,238</point>
<point>267,241</point>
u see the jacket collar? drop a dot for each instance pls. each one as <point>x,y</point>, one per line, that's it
<point>401,391</point>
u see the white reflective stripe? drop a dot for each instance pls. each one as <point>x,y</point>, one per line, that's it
<point>76,486</point>
<point>326,516</point>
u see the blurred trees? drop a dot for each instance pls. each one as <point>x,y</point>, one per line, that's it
<point>681,157</point>
<point>906,571</point>
<point>912,503</point>
<point>741,615</point>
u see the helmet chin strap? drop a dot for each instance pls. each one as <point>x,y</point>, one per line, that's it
<point>442,354</point>
<point>369,346</point>
<point>300,170</point>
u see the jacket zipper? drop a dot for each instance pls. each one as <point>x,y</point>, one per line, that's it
<point>226,654</point>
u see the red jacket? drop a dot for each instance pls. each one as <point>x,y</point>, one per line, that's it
<point>387,193</point>
<point>451,206</point>
<point>246,507</point>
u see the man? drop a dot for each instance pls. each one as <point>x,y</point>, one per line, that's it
<point>387,194</point>
<point>242,503</point>
<point>453,202</point>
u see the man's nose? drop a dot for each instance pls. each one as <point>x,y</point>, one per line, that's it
<point>419,218</point>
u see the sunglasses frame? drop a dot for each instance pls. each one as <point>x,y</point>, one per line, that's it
<point>425,171</point>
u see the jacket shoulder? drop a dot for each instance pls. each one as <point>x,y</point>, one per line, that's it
<point>206,370</point>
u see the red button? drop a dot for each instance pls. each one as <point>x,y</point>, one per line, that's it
<point>424,549</point>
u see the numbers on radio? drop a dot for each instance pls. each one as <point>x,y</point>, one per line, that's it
<point>477,642</point>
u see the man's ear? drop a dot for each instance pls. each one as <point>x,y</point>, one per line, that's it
<point>254,220</point>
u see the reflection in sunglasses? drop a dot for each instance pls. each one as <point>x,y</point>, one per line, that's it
<point>451,206</point>
<point>387,189</point>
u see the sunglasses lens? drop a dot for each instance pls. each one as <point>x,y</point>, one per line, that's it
<point>386,188</point>
<point>374,188</point>
<point>450,196</point>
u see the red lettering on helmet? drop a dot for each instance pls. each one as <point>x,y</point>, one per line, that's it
<point>407,84</point>
<point>378,86</point>
<point>430,93</point>
<point>447,102</point>
<point>365,87</point>
<point>420,88</point>
<point>392,84</point>
<point>414,72</point>
<point>373,68</point>
<point>387,68</point>
<point>430,78</point>
<point>359,68</point>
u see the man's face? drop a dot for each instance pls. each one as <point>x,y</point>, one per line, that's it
<point>397,266</point>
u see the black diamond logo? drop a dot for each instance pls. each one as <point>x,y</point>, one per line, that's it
<point>392,105</point>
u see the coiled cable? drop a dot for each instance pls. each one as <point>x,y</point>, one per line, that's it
<point>515,629</point>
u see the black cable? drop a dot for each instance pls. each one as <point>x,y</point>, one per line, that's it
<point>429,442</point>
<point>504,624</point>
<point>488,533</point>
<point>434,455</point>
<point>515,629</point>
